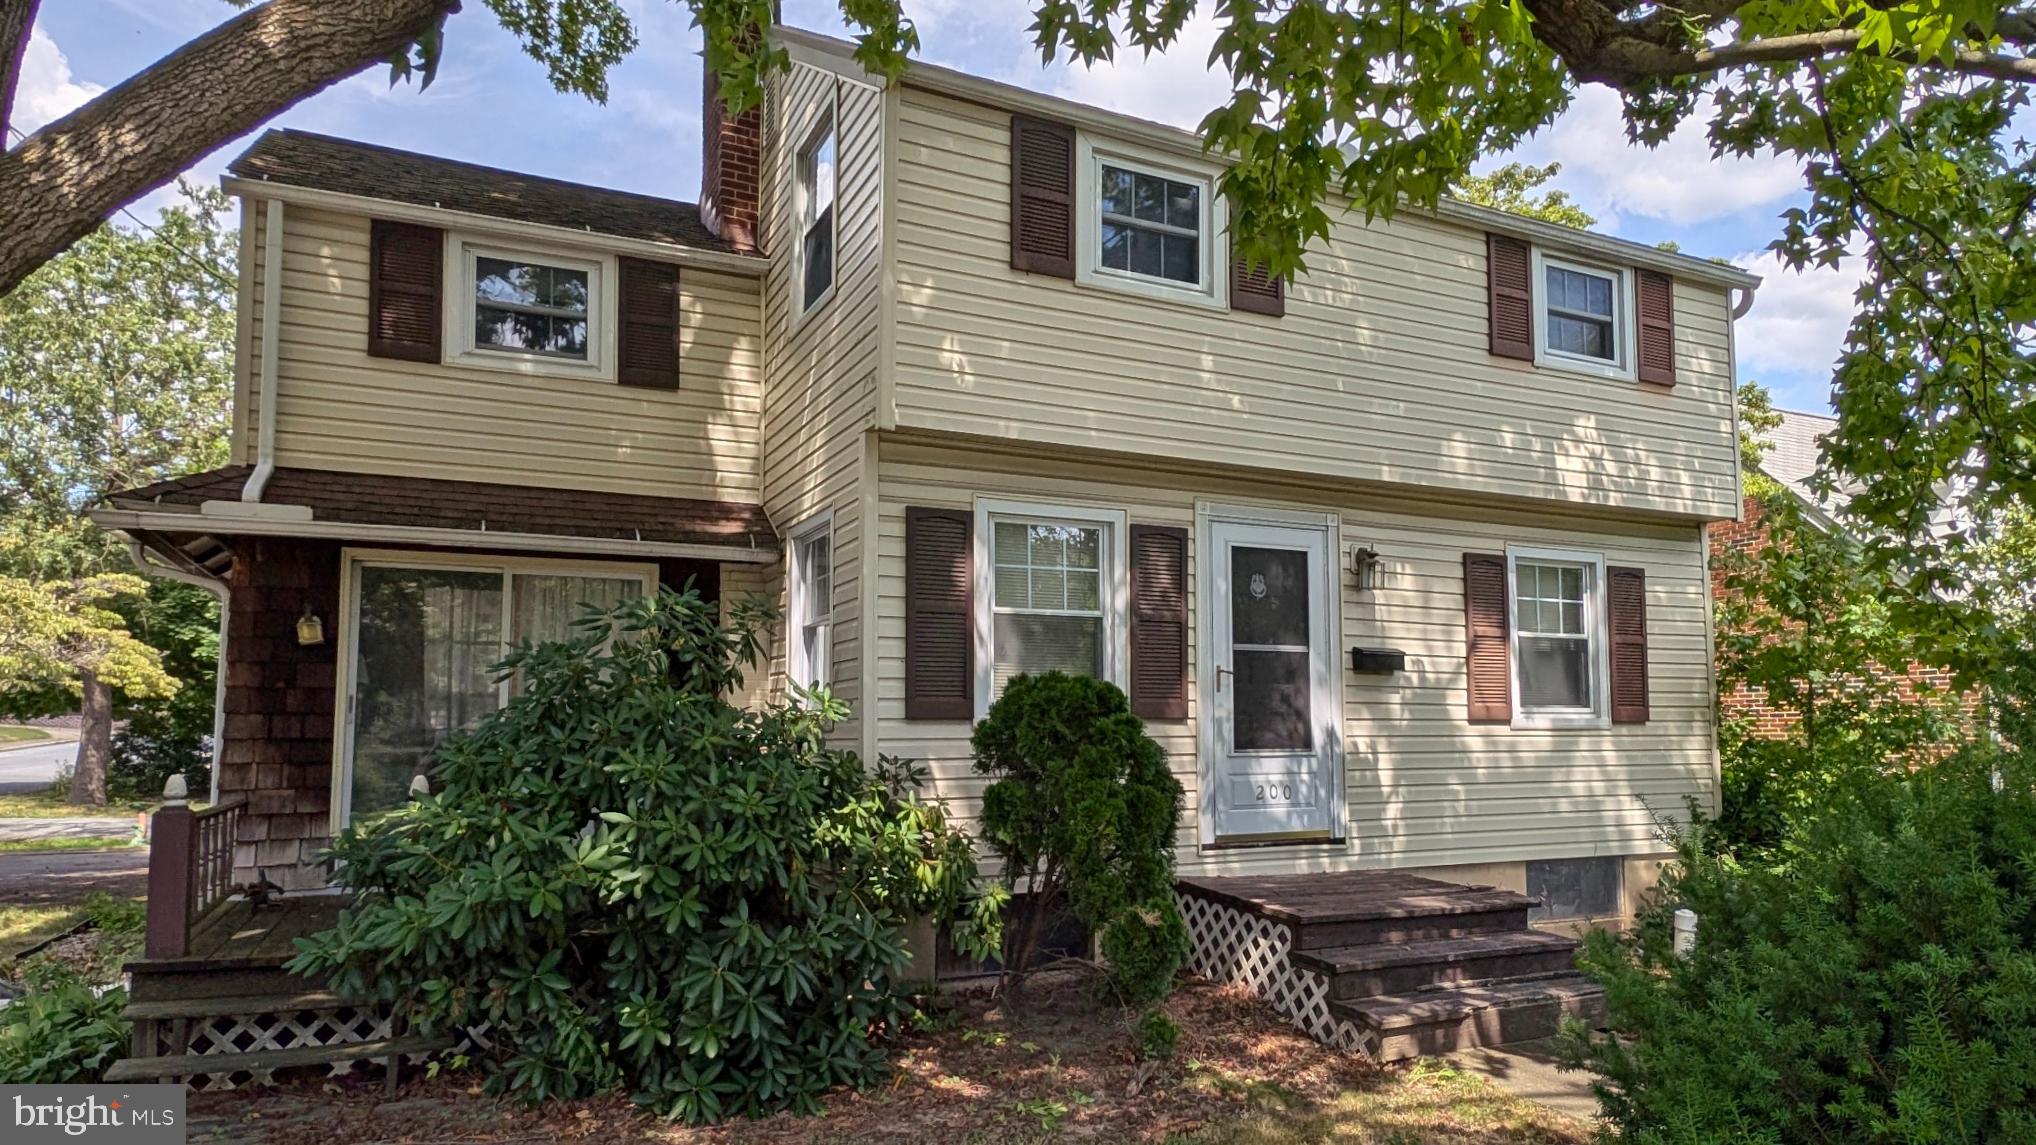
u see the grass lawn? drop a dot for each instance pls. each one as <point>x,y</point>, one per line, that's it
<point>23,926</point>
<point>97,952</point>
<point>19,846</point>
<point>50,804</point>
<point>18,733</point>
<point>1059,1073</point>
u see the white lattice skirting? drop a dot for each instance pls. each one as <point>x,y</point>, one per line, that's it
<point>283,1030</point>
<point>1230,945</point>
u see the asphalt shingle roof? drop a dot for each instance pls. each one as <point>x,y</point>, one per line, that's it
<point>304,159</point>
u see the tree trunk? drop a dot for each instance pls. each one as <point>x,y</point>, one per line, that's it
<point>17,19</point>
<point>66,178</point>
<point>95,742</point>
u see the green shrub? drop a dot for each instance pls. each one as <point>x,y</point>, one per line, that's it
<point>1158,1036</point>
<point>115,915</point>
<point>634,883</point>
<point>58,1031</point>
<point>1082,813</point>
<point>1873,982</point>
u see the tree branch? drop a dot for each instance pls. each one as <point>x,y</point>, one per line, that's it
<point>17,20</point>
<point>63,180</point>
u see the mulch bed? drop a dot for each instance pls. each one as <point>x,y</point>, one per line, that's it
<point>1062,1067</point>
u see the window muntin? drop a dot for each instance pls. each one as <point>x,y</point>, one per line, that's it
<point>1581,317</point>
<point>817,174</point>
<point>530,307</point>
<point>1151,224</point>
<point>1048,611</point>
<point>811,604</point>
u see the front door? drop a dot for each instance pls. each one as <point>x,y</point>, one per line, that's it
<point>1270,682</point>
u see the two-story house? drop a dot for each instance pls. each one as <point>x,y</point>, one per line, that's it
<point>1402,561</point>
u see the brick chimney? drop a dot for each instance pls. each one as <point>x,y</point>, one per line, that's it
<point>731,168</point>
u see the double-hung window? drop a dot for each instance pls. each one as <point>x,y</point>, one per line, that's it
<point>810,602</point>
<point>1558,640</point>
<point>816,187</point>
<point>1149,224</point>
<point>1583,316</point>
<point>1051,581</point>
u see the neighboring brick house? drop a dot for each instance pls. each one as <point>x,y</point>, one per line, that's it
<point>1792,457</point>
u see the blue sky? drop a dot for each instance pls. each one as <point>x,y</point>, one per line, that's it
<point>491,104</point>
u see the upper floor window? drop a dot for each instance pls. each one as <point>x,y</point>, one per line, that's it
<point>1148,225</point>
<point>529,309</point>
<point>1558,642</point>
<point>1054,593</point>
<point>816,189</point>
<point>810,602</point>
<point>1583,316</point>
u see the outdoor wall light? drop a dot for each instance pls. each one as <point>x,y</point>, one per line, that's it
<point>1365,567</point>
<point>310,629</point>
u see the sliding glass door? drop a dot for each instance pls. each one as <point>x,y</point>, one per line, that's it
<point>421,649</point>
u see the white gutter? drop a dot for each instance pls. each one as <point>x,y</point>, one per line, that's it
<point>272,316</point>
<point>124,520</point>
<point>222,594</point>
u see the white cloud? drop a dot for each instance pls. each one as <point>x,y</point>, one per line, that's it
<point>1177,87</point>
<point>46,90</point>
<point>1678,182</point>
<point>1798,322</point>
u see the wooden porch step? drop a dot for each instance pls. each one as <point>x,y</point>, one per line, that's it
<point>1443,1021</point>
<point>1403,967</point>
<point>135,1069</point>
<point>202,1007</point>
<point>1358,908</point>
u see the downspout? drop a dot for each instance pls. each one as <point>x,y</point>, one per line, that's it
<point>272,312</point>
<point>223,595</point>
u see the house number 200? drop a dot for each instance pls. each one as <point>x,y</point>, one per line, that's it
<point>1270,792</point>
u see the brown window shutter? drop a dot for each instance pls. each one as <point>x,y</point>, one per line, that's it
<point>940,671</point>
<point>1509,281</point>
<point>406,276</point>
<point>1042,197</point>
<point>1656,296</point>
<point>1626,602</point>
<point>1159,622</point>
<point>649,324</point>
<point>1252,288</point>
<point>1487,638</point>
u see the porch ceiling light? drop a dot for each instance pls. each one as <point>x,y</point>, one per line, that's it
<point>310,629</point>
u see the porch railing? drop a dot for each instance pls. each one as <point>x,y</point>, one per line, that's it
<point>190,867</point>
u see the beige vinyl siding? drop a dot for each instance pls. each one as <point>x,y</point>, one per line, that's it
<point>338,408</point>
<point>822,364</point>
<point>1378,372</point>
<point>1423,786</point>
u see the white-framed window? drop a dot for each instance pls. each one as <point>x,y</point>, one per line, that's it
<point>1556,608</point>
<point>818,168</point>
<point>809,604</point>
<point>421,634</point>
<point>1149,224</point>
<point>530,309</point>
<point>1583,316</point>
<point>1051,592</point>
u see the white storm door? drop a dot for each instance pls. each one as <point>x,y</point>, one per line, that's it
<point>1271,683</point>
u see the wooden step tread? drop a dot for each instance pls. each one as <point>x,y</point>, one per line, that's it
<point>132,1069</point>
<point>237,1004</point>
<point>1391,1012</point>
<point>1353,896</point>
<point>1434,951</point>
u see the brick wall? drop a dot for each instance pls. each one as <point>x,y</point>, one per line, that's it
<point>277,751</point>
<point>1742,703</point>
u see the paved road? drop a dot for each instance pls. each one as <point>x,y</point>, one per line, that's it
<point>23,830</point>
<point>67,876</point>
<point>31,768</point>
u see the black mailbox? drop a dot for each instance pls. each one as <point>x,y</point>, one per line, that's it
<point>1377,660</point>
